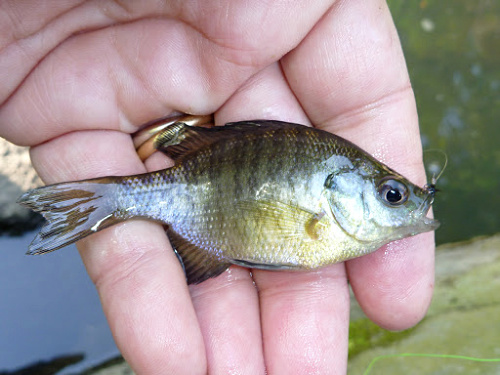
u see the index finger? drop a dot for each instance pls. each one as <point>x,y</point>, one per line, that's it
<point>356,84</point>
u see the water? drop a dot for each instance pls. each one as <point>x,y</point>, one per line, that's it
<point>49,307</point>
<point>452,50</point>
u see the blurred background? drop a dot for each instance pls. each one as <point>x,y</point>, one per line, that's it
<point>452,50</point>
<point>50,316</point>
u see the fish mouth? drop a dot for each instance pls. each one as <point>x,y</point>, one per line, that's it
<point>430,223</point>
<point>420,214</point>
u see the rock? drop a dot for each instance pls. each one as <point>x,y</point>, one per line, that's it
<point>47,367</point>
<point>463,320</point>
<point>114,366</point>
<point>16,176</point>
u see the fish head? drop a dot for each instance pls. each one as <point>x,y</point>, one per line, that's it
<point>378,207</point>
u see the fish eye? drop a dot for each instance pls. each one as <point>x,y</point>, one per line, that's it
<point>392,192</point>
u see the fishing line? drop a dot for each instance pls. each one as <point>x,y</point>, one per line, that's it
<point>428,355</point>
<point>435,162</point>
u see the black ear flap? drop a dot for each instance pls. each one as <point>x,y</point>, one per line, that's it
<point>330,181</point>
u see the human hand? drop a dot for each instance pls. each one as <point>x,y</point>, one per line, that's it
<point>79,78</point>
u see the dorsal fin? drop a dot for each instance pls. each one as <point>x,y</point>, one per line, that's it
<point>179,139</point>
<point>199,264</point>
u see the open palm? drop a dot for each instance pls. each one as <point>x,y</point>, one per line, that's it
<point>78,77</point>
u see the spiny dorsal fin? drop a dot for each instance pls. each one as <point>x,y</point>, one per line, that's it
<point>199,264</point>
<point>179,139</point>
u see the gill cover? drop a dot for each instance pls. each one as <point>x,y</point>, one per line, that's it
<point>345,196</point>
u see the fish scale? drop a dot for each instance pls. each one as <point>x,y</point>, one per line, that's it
<point>260,194</point>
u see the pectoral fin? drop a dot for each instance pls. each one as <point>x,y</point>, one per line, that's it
<point>316,225</point>
<point>285,220</point>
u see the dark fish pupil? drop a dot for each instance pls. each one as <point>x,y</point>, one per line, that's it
<point>393,196</point>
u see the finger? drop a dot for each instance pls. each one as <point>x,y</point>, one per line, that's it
<point>265,95</point>
<point>394,285</point>
<point>228,312</point>
<point>227,308</point>
<point>356,85</point>
<point>304,315</point>
<point>305,318</point>
<point>139,279</point>
<point>148,63</point>
<point>29,31</point>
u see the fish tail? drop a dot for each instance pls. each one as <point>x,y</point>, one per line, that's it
<point>73,210</point>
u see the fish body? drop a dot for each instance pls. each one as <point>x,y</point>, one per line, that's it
<point>260,194</point>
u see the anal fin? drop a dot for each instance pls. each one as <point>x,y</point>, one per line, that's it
<point>199,264</point>
<point>263,266</point>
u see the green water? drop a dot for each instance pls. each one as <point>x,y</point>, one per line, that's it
<point>452,49</point>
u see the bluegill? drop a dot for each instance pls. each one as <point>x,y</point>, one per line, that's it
<point>258,194</point>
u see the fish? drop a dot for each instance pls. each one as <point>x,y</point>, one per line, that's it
<point>260,194</point>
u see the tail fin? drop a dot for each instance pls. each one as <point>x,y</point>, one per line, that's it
<point>73,210</point>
